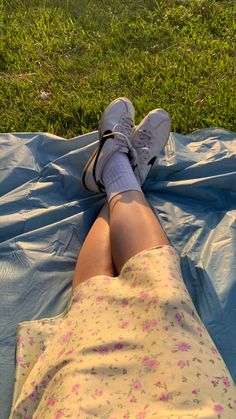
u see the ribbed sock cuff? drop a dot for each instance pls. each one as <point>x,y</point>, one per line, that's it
<point>118,176</point>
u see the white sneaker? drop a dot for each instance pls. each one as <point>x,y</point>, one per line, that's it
<point>115,129</point>
<point>148,139</point>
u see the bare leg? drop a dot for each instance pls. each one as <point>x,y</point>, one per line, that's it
<point>133,227</point>
<point>95,256</point>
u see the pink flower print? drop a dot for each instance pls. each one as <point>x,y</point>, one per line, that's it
<point>19,360</point>
<point>155,300</point>
<point>107,281</point>
<point>103,350</point>
<point>20,339</point>
<point>183,346</point>
<point>164,397</point>
<point>76,298</point>
<point>149,324</point>
<point>119,346</point>
<point>99,298</point>
<point>173,276</point>
<point>69,353</point>
<point>214,350</point>
<point>75,388</point>
<point>199,330</point>
<point>195,391</point>
<point>181,363</point>
<point>218,408</point>
<point>51,401</point>
<point>99,393</point>
<point>141,415</point>
<point>128,269</point>
<point>158,384</point>
<point>132,400</point>
<point>150,363</point>
<point>33,395</point>
<point>124,325</point>
<point>31,341</point>
<point>143,295</point>
<point>66,337</point>
<point>43,383</point>
<point>59,414</point>
<point>136,385</point>
<point>178,316</point>
<point>145,267</point>
<point>225,382</point>
<point>214,381</point>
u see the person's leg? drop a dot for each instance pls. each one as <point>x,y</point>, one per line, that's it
<point>95,255</point>
<point>119,167</point>
<point>133,227</point>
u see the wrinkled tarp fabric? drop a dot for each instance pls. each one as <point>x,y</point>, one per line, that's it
<point>45,215</point>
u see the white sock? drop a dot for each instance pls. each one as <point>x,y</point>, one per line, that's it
<point>118,176</point>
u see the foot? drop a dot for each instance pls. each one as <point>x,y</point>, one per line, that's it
<point>148,139</point>
<point>115,129</point>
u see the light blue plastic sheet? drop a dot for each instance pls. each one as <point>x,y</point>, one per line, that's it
<point>45,215</point>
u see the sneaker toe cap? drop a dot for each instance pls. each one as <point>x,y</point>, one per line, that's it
<point>158,117</point>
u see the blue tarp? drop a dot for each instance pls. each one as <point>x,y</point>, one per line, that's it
<point>45,215</point>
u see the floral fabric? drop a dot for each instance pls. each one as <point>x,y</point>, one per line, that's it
<point>127,347</point>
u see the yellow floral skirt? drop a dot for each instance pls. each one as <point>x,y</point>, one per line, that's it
<point>132,346</point>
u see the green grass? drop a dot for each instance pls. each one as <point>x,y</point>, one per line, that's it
<point>175,54</point>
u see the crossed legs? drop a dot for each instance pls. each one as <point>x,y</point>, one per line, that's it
<point>123,228</point>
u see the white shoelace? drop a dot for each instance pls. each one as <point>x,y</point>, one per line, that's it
<point>143,146</point>
<point>123,132</point>
<point>143,151</point>
<point>144,139</point>
<point>140,155</point>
